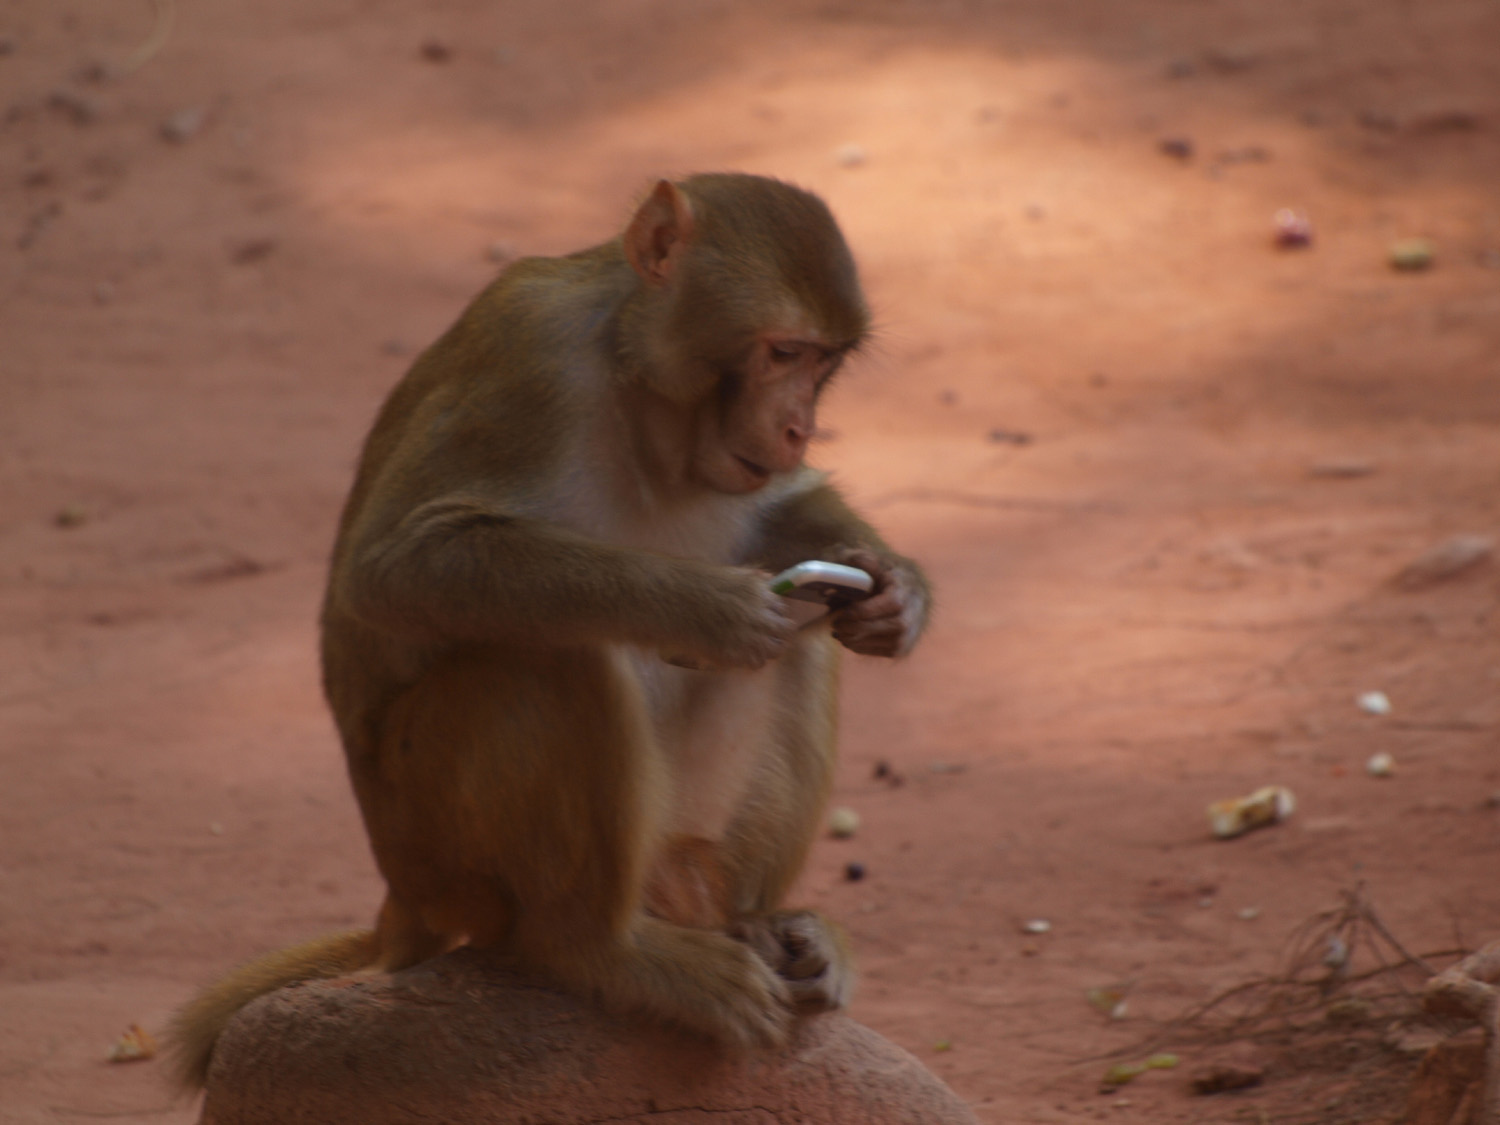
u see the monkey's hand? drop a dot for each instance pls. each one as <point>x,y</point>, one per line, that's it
<point>807,951</point>
<point>890,620</point>
<point>741,624</point>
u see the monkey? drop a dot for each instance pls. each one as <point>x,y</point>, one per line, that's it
<point>581,730</point>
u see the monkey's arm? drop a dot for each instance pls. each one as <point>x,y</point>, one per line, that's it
<point>460,569</point>
<point>816,523</point>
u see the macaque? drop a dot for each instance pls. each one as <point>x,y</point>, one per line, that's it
<point>582,731</point>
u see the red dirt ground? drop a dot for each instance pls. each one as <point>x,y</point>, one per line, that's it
<point>1162,598</point>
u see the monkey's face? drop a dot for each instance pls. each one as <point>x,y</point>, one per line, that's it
<point>765,413</point>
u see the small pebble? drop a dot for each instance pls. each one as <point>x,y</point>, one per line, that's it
<point>216,828</point>
<point>1179,148</point>
<point>1008,437</point>
<point>1336,953</point>
<point>436,51</point>
<point>843,822</point>
<point>850,155</point>
<point>252,250</point>
<point>1249,914</point>
<point>1448,559</point>
<point>854,872</point>
<point>185,124</point>
<point>1412,254</point>
<point>1231,60</point>
<point>1450,120</point>
<point>1037,926</point>
<point>1292,229</point>
<point>1219,1077</point>
<point>1342,468</point>
<point>1109,1000</point>
<point>1374,703</point>
<point>77,108</point>
<point>73,515</point>
<point>1381,765</point>
<point>1250,154</point>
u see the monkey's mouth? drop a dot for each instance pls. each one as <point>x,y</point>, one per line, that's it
<point>759,474</point>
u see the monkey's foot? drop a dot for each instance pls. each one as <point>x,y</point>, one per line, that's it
<point>805,950</point>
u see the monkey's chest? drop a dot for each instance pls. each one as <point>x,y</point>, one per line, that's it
<point>711,729</point>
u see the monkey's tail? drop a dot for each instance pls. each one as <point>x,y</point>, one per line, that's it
<point>196,1026</point>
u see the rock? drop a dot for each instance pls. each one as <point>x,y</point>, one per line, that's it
<point>1291,229</point>
<point>843,822</point>
<point>1412,254</point>
<point>1342,468</point>
<point>1443,120</point>
<point>1448,559</point>
<point>1232,60</point>
<point>1378,120</point>
<point>501,252</point>
<point>77,108</point>
<point>1447,1088</point>
<point>459,1038</point>
<point>251,250</point>
<point>1236,1066</point>
<point>850,155</point>
<point>1001,436</point>
<point>185,124</point>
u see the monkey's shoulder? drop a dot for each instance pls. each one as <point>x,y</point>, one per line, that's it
<point>562,305</point>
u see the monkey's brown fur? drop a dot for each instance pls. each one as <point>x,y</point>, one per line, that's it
<point>580,729</point>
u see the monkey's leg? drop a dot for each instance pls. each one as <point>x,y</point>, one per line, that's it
<point>517,799</point>
<point>769,840</point>
<point>402,938</point>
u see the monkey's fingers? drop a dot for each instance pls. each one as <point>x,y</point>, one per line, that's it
<point>890,603</point>
<point>871,563</point>
<point>884,635</point>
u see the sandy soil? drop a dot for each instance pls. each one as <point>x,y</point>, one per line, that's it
<point>1163,473</point>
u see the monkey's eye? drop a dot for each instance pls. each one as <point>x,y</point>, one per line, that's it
<point>784,353</point>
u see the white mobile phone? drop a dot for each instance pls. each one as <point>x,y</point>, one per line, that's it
<point>828,584</point>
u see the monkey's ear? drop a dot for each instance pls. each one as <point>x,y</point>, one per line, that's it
<point>658,235</point>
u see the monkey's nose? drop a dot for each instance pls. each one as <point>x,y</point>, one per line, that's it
<point>794,443</point>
